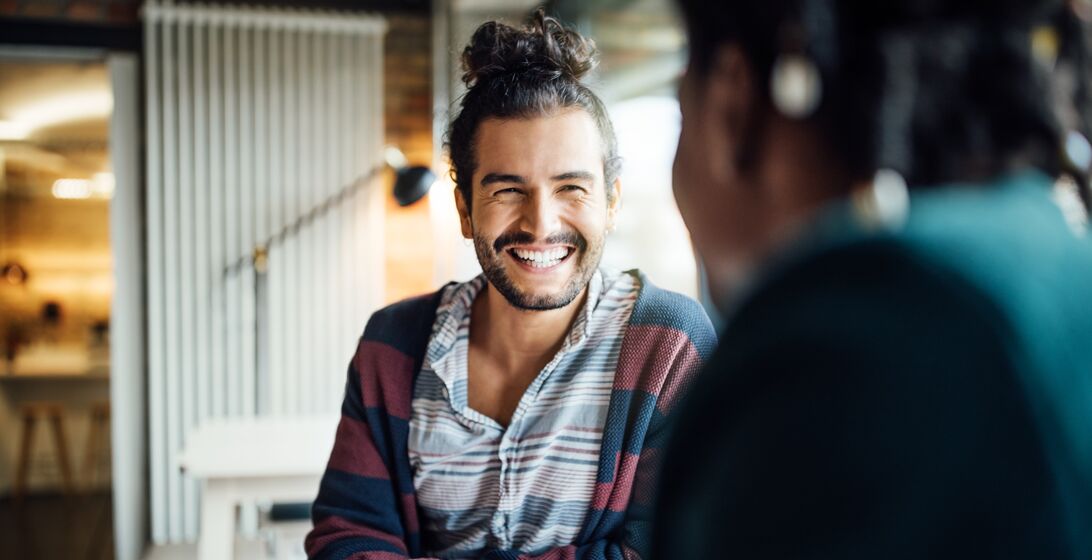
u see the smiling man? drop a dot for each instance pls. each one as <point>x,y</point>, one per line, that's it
<point>518,414</point>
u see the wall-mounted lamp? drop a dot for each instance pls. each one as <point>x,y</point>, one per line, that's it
<point>411,183</point>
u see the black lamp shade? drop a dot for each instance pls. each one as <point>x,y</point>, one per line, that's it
<point>412,184</point>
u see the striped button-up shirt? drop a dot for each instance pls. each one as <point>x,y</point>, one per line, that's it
<point>526,486</point>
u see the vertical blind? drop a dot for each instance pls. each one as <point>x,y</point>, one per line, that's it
<point>255,118</point>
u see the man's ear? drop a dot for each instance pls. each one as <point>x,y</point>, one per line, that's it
<point>464,214</point>
<point>729,108</point>
<point>615,204</point>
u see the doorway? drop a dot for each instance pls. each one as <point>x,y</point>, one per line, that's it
<point>56,296</point>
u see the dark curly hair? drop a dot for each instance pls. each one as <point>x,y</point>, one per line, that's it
<point>523,73</point>
<point>938,90</point>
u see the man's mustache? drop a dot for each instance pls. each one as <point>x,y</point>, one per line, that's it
<point>523,238</point>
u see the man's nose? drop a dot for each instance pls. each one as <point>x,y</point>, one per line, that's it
<point>541,217</point>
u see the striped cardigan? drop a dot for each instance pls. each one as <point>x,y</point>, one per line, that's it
<point>366,507</point>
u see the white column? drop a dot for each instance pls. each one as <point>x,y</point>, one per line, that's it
<point>127,386</point>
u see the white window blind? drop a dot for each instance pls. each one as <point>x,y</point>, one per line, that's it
<point>264,129</point>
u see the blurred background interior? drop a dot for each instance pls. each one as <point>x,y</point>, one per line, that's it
<point>198,213</point>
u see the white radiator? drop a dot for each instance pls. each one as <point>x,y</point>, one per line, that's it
<point>255,117</point>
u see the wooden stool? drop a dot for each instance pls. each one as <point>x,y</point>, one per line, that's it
<point>31,413</point>
<point>98,444</point>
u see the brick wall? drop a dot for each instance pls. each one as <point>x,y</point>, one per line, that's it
<point>408,114</point>
<point>82,11</point>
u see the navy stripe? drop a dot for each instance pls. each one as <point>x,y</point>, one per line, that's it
<point>360,499</point>
<point>342,549</point>
<point>659,307</point>
<point>406,325</point>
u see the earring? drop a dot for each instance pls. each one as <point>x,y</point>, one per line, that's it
<point>1077,151</point>
<point>795,85</point>
<point>886,203</point>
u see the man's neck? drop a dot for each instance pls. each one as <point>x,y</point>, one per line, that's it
<point>514,337</point>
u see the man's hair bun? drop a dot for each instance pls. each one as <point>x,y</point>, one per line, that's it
<point>525,72</point>
<point>544,49</point>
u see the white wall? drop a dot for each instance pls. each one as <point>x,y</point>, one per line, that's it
<point>650,232</point>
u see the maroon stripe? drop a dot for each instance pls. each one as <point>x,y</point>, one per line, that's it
<point>390,384</point>
<point>410,517</point>
<point>354,451</point>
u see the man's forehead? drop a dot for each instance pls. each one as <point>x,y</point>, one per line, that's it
<point>542,147</point>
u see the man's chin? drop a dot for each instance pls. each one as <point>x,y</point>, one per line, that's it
<point>536,306</point>
<point>538,299</point>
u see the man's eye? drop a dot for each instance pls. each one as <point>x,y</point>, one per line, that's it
<point>508,191</point>
<point>573,188</point>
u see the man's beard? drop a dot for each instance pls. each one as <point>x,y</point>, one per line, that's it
<point>490,257</point>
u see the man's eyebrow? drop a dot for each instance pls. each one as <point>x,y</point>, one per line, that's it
<point>491,178</point>
<point>582,175</point>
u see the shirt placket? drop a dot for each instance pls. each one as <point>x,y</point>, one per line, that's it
<point>508,453</point>
<point>508,450</point>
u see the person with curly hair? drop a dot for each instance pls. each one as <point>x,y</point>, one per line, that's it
<point>906,367</point>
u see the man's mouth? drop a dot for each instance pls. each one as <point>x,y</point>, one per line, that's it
<point>546,258</point>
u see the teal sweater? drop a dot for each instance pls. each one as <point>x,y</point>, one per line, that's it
<point>924,393</point>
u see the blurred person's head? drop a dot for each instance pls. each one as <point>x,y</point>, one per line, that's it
<point>788,104</point>
<point>535,162</point>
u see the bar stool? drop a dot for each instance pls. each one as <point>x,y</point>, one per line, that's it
<point>97,451</point>
<point>31,413</point>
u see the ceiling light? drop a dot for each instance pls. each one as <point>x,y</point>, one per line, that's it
<point>72,189</point>
<point>63,108</point>
<point>101,185</point>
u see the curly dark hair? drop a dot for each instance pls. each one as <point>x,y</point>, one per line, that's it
<point>938,90</point>
<point>523,73</point>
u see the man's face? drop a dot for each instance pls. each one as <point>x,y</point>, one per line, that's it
<point>539,212</point>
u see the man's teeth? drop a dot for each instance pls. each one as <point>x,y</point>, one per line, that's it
<point>542,258</point>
